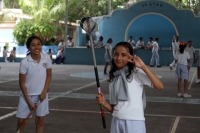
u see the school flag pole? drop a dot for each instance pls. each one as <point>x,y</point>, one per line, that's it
<point>88,25</point>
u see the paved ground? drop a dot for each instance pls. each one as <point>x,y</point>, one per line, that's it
<point>73,108</point>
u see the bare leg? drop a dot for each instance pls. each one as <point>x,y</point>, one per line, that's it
<point>39,121</point>
<point>179,85</point>
<point>188,72</point>
<point>105,68</point>
<point>185,86</point>
<point>19,123</point>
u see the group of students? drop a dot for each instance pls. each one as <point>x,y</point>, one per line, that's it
<point>96,44</point>
<point>140,43</point>
<point>126,104</point>
<point>127,76</point>
<point>12,54</point>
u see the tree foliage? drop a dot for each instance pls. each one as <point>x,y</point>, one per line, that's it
<point>25,29</point>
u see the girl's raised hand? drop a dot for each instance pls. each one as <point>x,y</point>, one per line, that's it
<point>135,60</point>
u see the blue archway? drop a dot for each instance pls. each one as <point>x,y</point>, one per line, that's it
<point>152,25</point>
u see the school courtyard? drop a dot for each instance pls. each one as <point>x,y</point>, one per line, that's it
<point>73,108</point>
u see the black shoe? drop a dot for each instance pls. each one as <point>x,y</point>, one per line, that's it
<point>159,66</point>
<point>151,66</point>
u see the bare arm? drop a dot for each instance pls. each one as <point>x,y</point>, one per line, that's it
<point>47,83</point>
<point>22,78</point>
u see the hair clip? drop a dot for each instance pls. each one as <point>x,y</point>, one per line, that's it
<point>182,43</point>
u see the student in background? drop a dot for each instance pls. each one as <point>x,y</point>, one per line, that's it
<point>175,48</point>
<point>108,54</point>
<point>5,52</point>
<point>182,58</point>
<point>155,55</point>
<point>140,44</point>
<point>191,52</point>
<point>198,68</point>
<point>50,53</point>
<point>60,56</point>
<point>12,55</point>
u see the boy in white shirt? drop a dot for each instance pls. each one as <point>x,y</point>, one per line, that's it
<point>155,55</point>
<point>140,44</point>
<point>149,44</point>
<point>175,48</point>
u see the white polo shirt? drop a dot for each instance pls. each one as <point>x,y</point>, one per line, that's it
<point>155,46</point>
<point>133,108</point>
<point>35,73</point>
<point>138,45</point>
<point>175,46</point>
<point>190,50</point>
<point>182,58</point>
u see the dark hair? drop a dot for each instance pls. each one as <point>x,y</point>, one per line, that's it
<point>30,39</point>
<point>109,40</point>
<point>101,38</point>
<point>157,39</point>
<point>131,37</point>
<point>114,67</point>
<point>141,38</point>
<point>182,46</point>
<point>49,50</point>
<point>151,38</point>
<point>14,48</point>
<point>4,47</point>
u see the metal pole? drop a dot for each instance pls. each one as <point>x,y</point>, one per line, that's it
<point>66,21</point>
<point>109,6</point>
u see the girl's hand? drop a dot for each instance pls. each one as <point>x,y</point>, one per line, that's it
<point>31,106</point>
<point>42,96</point>
<point>135,60</point>
<point>100,99</point>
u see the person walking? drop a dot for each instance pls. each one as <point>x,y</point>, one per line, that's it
<point>175,48</point>
<point>155,55</point>
<point>108,54</point>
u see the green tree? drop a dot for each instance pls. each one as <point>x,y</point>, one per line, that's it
<point>25,29</point>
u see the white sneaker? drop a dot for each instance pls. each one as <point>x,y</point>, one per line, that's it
<point>185,95</point>
<point>179,95</point>
<point>170,66</point>
<point>197,81</point>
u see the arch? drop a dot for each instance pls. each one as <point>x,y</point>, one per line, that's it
<point>145,14</point>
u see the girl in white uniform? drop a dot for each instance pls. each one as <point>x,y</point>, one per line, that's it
<point>34,78</point>
<point>108,56</point>
<point>182,58</point>
<point>128,74</point>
